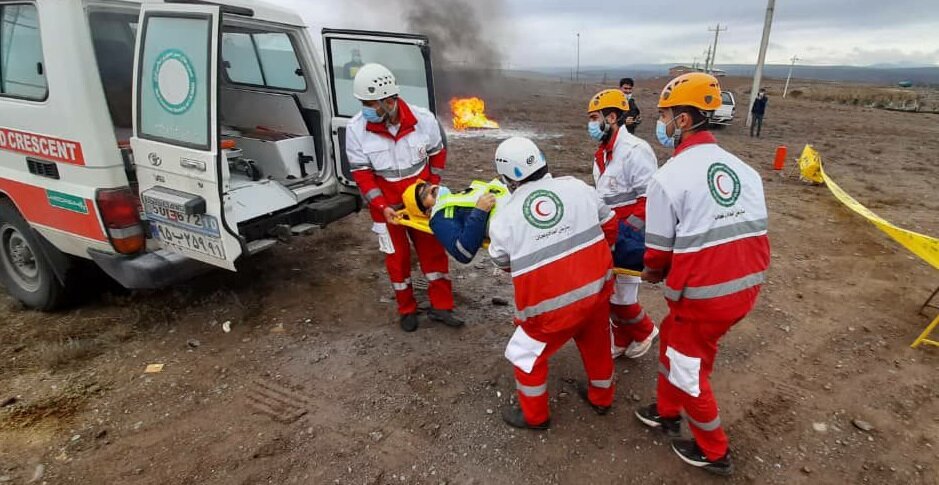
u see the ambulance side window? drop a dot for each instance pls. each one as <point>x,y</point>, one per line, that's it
<point>405,60</point>
<point>263,59</point>
<point>22,72</point>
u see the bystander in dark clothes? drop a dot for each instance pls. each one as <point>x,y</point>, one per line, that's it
<point>758,110</point>
<point>631,118</point>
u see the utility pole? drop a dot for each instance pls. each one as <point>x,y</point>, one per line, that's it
<point>578,57</point>
<point>707,60</point>
<point>717,32</point>
<point>789,76</point>
<point>758,73</point>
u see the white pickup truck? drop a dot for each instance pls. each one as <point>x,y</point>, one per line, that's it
<point>162,138</point>
<point>727,111</point>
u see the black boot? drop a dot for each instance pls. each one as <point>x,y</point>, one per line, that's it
<point>409,322</point>
<point>689,453</point>
<point>582,392</point>
<point>445,317</point>
<point>514,417</point>
<point>649,416</point>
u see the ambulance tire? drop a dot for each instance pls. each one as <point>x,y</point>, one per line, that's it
<point>25,271</point>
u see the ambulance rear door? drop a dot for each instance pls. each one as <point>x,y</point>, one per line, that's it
<point>406,55</point>
<point>179,160</point>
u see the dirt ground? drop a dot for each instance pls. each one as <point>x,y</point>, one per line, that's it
<point>315,383</point>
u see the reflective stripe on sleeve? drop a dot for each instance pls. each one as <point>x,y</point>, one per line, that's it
<point>636,222</point>
<point>659,242</point>
<point>502,262</point>
<point>436,171</point>
<point>372,194</point>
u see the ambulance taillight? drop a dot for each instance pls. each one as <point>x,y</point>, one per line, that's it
<point>120,212</point>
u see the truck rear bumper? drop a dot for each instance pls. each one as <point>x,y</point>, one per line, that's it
<point>157,269</point>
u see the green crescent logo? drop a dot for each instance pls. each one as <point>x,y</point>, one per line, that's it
<point>174,56</point>
<point>543,209</point>
<point>724,184</point>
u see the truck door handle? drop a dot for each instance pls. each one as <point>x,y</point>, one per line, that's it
<point>194,164</point>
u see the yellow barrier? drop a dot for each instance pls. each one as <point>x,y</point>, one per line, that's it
<point>423,224</point>
<point>926,247</point>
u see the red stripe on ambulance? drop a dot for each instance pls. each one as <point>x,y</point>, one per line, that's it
<point>41,146</point>
<point>33,204</point>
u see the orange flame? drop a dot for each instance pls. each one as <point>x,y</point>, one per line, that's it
<point>470,113</point>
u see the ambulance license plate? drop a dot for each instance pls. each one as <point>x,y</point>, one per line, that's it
<point>199,223</point>
<point>176,238</point>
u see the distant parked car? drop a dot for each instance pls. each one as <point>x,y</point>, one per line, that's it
<point>725,114</point>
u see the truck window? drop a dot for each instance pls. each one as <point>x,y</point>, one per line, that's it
<point>174,93</point>
<point>113,36</point>
<point>22,72</point>
<point>405,60</point>
<point>726,98</point>
<point>265,59</point>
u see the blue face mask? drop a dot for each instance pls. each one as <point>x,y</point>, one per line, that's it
<point>593,128</point>
<point>371,115</point>
<point>662,134</point>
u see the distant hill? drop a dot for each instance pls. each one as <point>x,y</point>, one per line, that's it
<point>871,75</point>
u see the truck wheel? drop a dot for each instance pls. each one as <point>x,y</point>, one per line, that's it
<point>24,270</point>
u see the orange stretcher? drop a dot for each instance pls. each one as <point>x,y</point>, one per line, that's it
<point>423,224</point>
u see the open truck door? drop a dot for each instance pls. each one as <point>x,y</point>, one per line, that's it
<point>182,177</point>
<point>406,55</point>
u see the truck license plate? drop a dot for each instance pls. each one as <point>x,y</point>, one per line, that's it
<point>198,223</point>
<point>174,237</point>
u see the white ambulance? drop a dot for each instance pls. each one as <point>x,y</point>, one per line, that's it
<point>159,139</point>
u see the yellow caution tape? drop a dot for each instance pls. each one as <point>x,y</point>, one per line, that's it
<point>423,224</point>
<point>926,247</point>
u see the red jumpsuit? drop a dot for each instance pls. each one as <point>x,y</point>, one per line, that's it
<point>384,162</point>
<point>554,235</point>
<point>622,169</point>
<point>706,229</point>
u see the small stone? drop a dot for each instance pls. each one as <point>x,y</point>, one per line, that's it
<point>862,425</point>
<point>8,401</point>
<point>193,343</point>
<point>499,301</point>
<point>806,470</point>
<point>820,427</point>
<point>76,437</point>
<point>5,478</point>
<point>376,435</point>
<point>38,473</point>
<point>101,434</point>
<point>635,397</point>
<point>489,411</point>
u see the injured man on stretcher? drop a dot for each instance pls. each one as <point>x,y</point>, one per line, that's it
<point>460,221</point>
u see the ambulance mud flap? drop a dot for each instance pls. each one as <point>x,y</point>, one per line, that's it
<point>147,271</point>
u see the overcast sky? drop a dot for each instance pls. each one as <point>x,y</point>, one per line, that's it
<point>541,33</point>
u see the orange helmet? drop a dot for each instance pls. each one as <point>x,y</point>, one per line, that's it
<point>608,98</point>
<point>695,89</point>
<point>412,207</point>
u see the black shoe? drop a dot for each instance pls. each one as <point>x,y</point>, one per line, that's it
<point>649,416</point>
<point>409,322</point>
<point>689,453</point>
<point>445,317</point>
<point>514,417</point>
<point>582,392</point>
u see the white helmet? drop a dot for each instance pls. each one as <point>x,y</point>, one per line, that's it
<point>517,158</point>
<point>374,82</point>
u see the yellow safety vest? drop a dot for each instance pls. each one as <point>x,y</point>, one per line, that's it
<point>468,198</point>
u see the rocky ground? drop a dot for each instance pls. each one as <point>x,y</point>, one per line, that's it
<point>315,383</point>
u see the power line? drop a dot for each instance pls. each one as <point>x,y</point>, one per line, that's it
<point>789,76</point>
<point>717,32</point>
<point>758,73</point>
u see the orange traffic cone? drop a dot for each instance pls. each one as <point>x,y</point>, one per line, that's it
<point>780,161</point>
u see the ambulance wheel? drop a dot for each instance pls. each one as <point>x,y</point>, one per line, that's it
<point>24,270</point>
